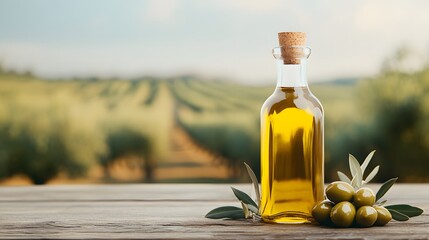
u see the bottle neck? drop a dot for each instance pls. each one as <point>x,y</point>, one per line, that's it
<point>292,75</point>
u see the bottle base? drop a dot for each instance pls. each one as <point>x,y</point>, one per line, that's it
<point>288,218</point>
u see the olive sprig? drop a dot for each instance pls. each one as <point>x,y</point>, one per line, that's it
<point>358,171</point>
<point>400,212</point>
<point>249,207</point>
<point>350,203</point>
<point>356,195</point>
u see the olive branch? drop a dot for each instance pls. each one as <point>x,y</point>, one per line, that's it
<point>400,212</point>
<point>250,207</point>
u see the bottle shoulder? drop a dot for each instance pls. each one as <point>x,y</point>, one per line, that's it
<point>292,97</point>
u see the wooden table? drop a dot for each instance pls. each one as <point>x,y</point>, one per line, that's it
<point>169,211</point>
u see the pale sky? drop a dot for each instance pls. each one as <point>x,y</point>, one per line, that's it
<point>214,38</point>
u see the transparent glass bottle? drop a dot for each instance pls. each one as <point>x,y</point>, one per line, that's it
<point>292,143</point>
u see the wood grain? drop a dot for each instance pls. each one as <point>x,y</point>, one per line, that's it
<point>170,211</point>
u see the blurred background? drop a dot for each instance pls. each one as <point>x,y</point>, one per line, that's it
<point>170,91</point>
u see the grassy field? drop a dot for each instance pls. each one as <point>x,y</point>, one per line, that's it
<point>188,129</point>
<point>63,127</point>
<point>154,130</point>
<point>118,130</point>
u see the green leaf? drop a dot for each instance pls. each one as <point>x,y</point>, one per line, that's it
<point>406,209</point>
<point>246,211</point>
<point>355,182</point>
<point>366,162</point>
<point>243,197</point>
<point>252,208</point>
<point>343,177</point>
<point>354,165</point>
<point>359,179</point>
<point>372,174</point>
<point>398,216</point>
<point>226,212</point>
<point>381,203</point>
<point>255,183</point>
<point>384,188</point>
<point>357,176</point>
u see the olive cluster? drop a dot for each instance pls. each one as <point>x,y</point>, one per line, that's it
<point>346,208</point>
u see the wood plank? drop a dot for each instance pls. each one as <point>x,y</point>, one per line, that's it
<point>168,211</point>
<point>179,192</point>
<point>125,192</point>
<point>178,220</point>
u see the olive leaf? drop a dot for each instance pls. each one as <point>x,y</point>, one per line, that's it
<point>343,177</point>
<point>398,216</point>
<point>249,207</point>
<point>406,209</point>
<point>382,203</point>
<point>366,162</point>
<point>356,172</point>
<point>353,183</point>
<point>226,212</point>
<point>253,208</point>
<point>372,174</point>
<point>255,183</point>
<point>354,165</point>
<point>243,197</point>
<point>359,179</point>
<point>384,188</point>
<point>246,211</point>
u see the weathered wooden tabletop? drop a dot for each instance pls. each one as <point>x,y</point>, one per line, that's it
<point>170,211</point>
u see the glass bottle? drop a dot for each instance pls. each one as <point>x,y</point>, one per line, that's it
<point>292,151</point>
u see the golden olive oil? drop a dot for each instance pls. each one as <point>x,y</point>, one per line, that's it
<point>291,155</point>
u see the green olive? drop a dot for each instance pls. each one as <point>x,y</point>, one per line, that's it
<point>343,214</point>
<point>339,192</point>
<point>321,212</point>
<point>364,197</point>
<point>383,216</point>
<point>366,216</point>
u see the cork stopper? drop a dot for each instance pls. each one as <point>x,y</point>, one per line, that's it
<point>287,39</point>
